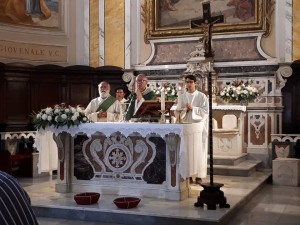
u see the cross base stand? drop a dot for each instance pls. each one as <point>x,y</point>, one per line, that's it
<point>212,196</point>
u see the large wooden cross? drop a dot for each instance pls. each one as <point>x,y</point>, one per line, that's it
<point>206,23</point>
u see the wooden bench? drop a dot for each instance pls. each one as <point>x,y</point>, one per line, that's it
<point>19,164</point>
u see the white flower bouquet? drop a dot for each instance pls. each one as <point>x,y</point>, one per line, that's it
<point>239,91</point>
<point>58,116</point>
<point>170,91</point>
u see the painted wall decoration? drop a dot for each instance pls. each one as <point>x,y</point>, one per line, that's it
<point>31,13</point>
<point>172,18</point>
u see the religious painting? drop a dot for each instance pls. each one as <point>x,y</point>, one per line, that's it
<point>173,18</point>
<point>31,13</point>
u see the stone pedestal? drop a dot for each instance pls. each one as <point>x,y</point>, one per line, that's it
<point>286,171</point>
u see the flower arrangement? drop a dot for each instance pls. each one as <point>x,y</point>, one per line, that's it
<point>58,116</point>
<point>170,91</point>
<point>239,91</point>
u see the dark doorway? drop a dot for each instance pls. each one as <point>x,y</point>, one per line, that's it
<point>291,102</point>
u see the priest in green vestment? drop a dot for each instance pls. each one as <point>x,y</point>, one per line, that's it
<point>142,93</point>
<point>105,108</point>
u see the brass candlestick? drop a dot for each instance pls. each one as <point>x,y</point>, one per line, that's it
<point>178,115</point>
<point>162,116</point>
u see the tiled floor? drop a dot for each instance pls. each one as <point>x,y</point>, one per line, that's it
<point>276,205</point>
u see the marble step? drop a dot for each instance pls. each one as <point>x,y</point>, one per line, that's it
<point>47,203</point>
<point>243,169</point>
<point>229,160</point>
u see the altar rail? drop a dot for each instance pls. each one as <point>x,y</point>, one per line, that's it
<point>285,145</point>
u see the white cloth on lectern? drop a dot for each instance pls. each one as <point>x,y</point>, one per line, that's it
<point>48,153</point>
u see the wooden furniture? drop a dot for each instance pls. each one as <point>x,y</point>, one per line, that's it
<point>25,89</point>
<point>16,153</point>
<point>19,164</point>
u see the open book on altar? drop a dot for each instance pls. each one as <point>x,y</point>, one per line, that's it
<point>152,108</point>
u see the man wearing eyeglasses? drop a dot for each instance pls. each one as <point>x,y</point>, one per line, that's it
<point>195,109</point>
<point>141,93</point>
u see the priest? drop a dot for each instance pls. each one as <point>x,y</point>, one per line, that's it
<point>141,93</point>
<point>104,108</point>
<point>194,108</point>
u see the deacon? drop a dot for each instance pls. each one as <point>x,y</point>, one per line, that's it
<point>141,93</point>
<point>194,108</point>
<point>105,108</point>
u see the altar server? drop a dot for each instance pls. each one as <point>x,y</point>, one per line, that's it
<point>120,94</point>
<point>105,108</point>
<point>141,93</point>
<point>15,207</point>
<point>194,108</point>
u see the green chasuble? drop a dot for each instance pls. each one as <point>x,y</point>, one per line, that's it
<point>149,95</point>
<point>106,104</point>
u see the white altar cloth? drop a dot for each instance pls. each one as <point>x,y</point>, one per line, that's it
<point>189,163</point>
<point>230,107</point>
<point>48,157</point>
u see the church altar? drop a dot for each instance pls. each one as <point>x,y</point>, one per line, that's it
<point>140,159</point>
<point>228,135</point>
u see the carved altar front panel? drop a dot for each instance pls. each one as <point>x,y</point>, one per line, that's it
<point>228,142</point>
<point>141,159</point>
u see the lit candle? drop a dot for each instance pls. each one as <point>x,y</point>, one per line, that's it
<point>162,99</point>
<point>179,98</point>
<point>135,86</point>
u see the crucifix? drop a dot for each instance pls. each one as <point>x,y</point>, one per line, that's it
<point>211,195</point>
<point>206,23</point>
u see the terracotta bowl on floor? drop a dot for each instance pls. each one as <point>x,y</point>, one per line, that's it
<point>87,198</point>
<point>127,202</point>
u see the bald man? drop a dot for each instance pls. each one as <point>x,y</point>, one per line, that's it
<point>142,93</point>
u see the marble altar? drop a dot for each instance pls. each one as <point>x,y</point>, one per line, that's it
<point>228,140</point>
<point>140,159</point>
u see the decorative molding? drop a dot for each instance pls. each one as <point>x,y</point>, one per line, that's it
<point>284,71</point>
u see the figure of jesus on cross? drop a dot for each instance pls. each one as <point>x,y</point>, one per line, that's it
<point>206,23</point>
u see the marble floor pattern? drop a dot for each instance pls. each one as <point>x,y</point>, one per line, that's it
<point>252,202</point>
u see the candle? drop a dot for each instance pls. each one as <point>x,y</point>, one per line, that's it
<point>179,98</point>
<point>162,99</point>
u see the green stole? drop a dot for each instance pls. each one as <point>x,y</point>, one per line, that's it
<point>130,110</point>
<point>106,104</point>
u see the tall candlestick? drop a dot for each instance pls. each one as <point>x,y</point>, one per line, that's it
<point>179,98</point>
<point>135,86</point>
<point>162,99</point>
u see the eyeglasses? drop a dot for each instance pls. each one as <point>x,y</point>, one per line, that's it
<point>140,81</point>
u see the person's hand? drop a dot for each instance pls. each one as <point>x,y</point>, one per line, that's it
<point>139,95</point>
<point>189,106</point>
<point>102,114</point>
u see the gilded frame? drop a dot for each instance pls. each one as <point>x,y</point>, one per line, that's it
<point>152,11</point>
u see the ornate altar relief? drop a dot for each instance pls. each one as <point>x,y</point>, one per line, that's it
<point>119,157</point>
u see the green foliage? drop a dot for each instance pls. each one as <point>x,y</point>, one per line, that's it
<point>59,116</point>
<point>239,91</point>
